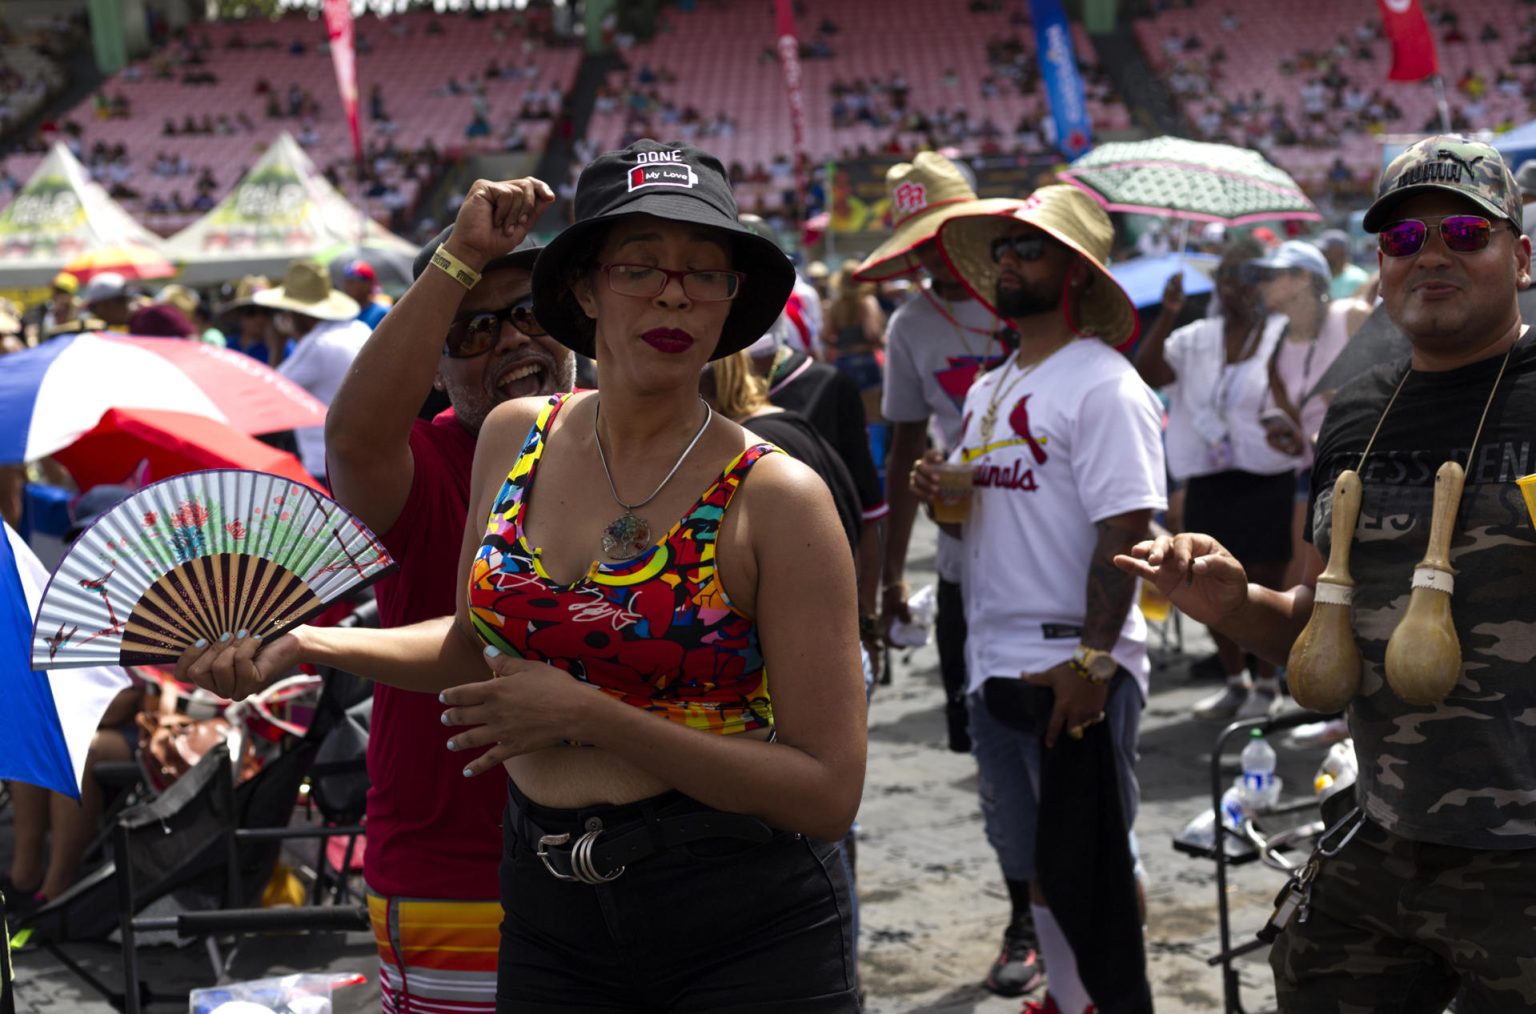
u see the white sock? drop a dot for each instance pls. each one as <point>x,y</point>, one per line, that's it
<point>1061,980</point>
<point>1242,680</point>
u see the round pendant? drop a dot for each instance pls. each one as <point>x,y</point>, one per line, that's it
<point>626,537</point>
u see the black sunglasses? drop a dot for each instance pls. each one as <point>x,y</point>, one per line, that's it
<point>1029,247</point>
<point>478,333</point>
<point>1459,233</point>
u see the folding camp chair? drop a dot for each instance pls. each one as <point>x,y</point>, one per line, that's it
<point>195,861</point>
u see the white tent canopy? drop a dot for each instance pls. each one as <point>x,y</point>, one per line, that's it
<point>281,210</point>
<point>59,215</point>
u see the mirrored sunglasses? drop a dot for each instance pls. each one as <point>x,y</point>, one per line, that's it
<point>1459,233</point>
<point>478,333</point>
<point>1030,247</point>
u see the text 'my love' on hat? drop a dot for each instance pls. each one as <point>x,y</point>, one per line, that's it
<point>676,182</point>
<point>1070,217</point>
<point>925,193</point>
<point>307,289</point>
<point>1295,255</point>
<point>1452,164</point>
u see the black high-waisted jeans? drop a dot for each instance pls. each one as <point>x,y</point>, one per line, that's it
<point>718,924</point>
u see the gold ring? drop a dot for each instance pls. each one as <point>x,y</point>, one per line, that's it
<point>1076,731</point>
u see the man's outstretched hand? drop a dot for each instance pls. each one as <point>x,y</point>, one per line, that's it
<point>1194,571</point>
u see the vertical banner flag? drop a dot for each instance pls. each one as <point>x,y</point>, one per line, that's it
<point>1413,46</point>
<point>789,60</point>
<point>338,25</point>
<point>1063,84</point>
<point>49,718</point>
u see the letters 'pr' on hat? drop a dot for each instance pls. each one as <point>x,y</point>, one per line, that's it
<point>679,183</point>
<point>1067,215</point>
<point>1450,163</point>
<point>925,193</point>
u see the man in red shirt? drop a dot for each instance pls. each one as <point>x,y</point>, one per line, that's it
<point>434,836</point>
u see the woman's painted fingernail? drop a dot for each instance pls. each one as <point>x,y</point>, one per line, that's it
<point>468,773</point>
<point>443,697</point>
<point>491,651</point>
<point>451,745</point>
<point>242,635</point>
<point>201,642</point>
<point>445,719</point>
<point>225,637</point>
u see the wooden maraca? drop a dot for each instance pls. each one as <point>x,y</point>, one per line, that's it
<point>1323,671</point>
<point>1424,654</point>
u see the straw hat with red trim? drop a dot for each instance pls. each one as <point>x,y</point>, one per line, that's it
<point>1067,215</point>
<point>925,193</point>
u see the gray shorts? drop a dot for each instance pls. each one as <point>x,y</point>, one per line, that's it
<point>1008,761</point>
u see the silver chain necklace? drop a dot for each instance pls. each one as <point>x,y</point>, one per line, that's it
<point>628,535</point>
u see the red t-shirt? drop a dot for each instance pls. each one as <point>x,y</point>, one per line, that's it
<point>432,833</point>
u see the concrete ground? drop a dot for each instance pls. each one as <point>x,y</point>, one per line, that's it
<point>933,901</point>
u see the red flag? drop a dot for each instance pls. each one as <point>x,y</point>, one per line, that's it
<point>1413,46</point>
<point>338,25</point>
<point>789,60</point>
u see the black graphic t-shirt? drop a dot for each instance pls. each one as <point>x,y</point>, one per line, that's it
<point>1462,772</point>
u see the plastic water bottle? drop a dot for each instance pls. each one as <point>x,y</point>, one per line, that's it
<point>1234,807</point>
<point>1261,789</point>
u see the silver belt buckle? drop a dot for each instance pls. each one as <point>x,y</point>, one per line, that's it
<point>582,870</point>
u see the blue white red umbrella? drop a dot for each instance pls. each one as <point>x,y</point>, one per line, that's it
<point>52,394</point>
<point>48,718</point>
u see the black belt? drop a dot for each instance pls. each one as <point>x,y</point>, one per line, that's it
<point>600,854</point>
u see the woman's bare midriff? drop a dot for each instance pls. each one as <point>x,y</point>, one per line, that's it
<point>569,777</point>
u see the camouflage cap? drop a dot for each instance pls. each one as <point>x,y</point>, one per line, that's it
<point>1448,162</point>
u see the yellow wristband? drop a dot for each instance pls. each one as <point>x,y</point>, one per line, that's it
<point>455,268</point>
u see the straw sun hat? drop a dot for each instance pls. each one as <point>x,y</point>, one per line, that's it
<point>307,289</point>
<point>1067,215</point>
<point>925,193</point>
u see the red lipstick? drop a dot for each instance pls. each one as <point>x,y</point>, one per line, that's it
<point>668,339</point>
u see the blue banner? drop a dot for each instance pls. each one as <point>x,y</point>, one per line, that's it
<point>1063,85</point>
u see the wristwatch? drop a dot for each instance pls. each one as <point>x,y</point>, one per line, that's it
<point>1094,665</point>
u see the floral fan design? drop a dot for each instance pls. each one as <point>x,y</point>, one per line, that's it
<point>198,556</point>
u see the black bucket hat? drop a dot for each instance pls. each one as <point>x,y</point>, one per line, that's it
<point>523,257</point>
<point>681,184</point>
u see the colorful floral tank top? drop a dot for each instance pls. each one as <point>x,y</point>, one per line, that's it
<point>657,632</point>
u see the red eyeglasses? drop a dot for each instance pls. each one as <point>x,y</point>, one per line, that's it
<point>1459,233</point>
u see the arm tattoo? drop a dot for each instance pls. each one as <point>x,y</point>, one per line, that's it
<point>1110,589</point>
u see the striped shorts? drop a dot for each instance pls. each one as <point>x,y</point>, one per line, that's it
<point>436,957</point>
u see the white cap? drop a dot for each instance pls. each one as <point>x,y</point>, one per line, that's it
<point>107,285</point>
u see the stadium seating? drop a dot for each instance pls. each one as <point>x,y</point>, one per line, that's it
<point>1266,35</point>
<point>413,87</point>
<point>715,56</point>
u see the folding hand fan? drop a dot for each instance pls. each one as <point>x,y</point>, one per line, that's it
<point>198,556</point>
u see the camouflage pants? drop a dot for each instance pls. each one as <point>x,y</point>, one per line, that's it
<point>1400,926</point>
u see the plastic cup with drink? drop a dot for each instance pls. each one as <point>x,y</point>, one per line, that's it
<point>952,503</point>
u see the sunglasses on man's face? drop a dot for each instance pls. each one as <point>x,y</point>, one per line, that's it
<point>1028,247</point>
<point>1459,233</point>
<point>478,333</point>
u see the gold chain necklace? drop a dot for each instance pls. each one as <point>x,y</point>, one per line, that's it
<point>1000,393</point>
